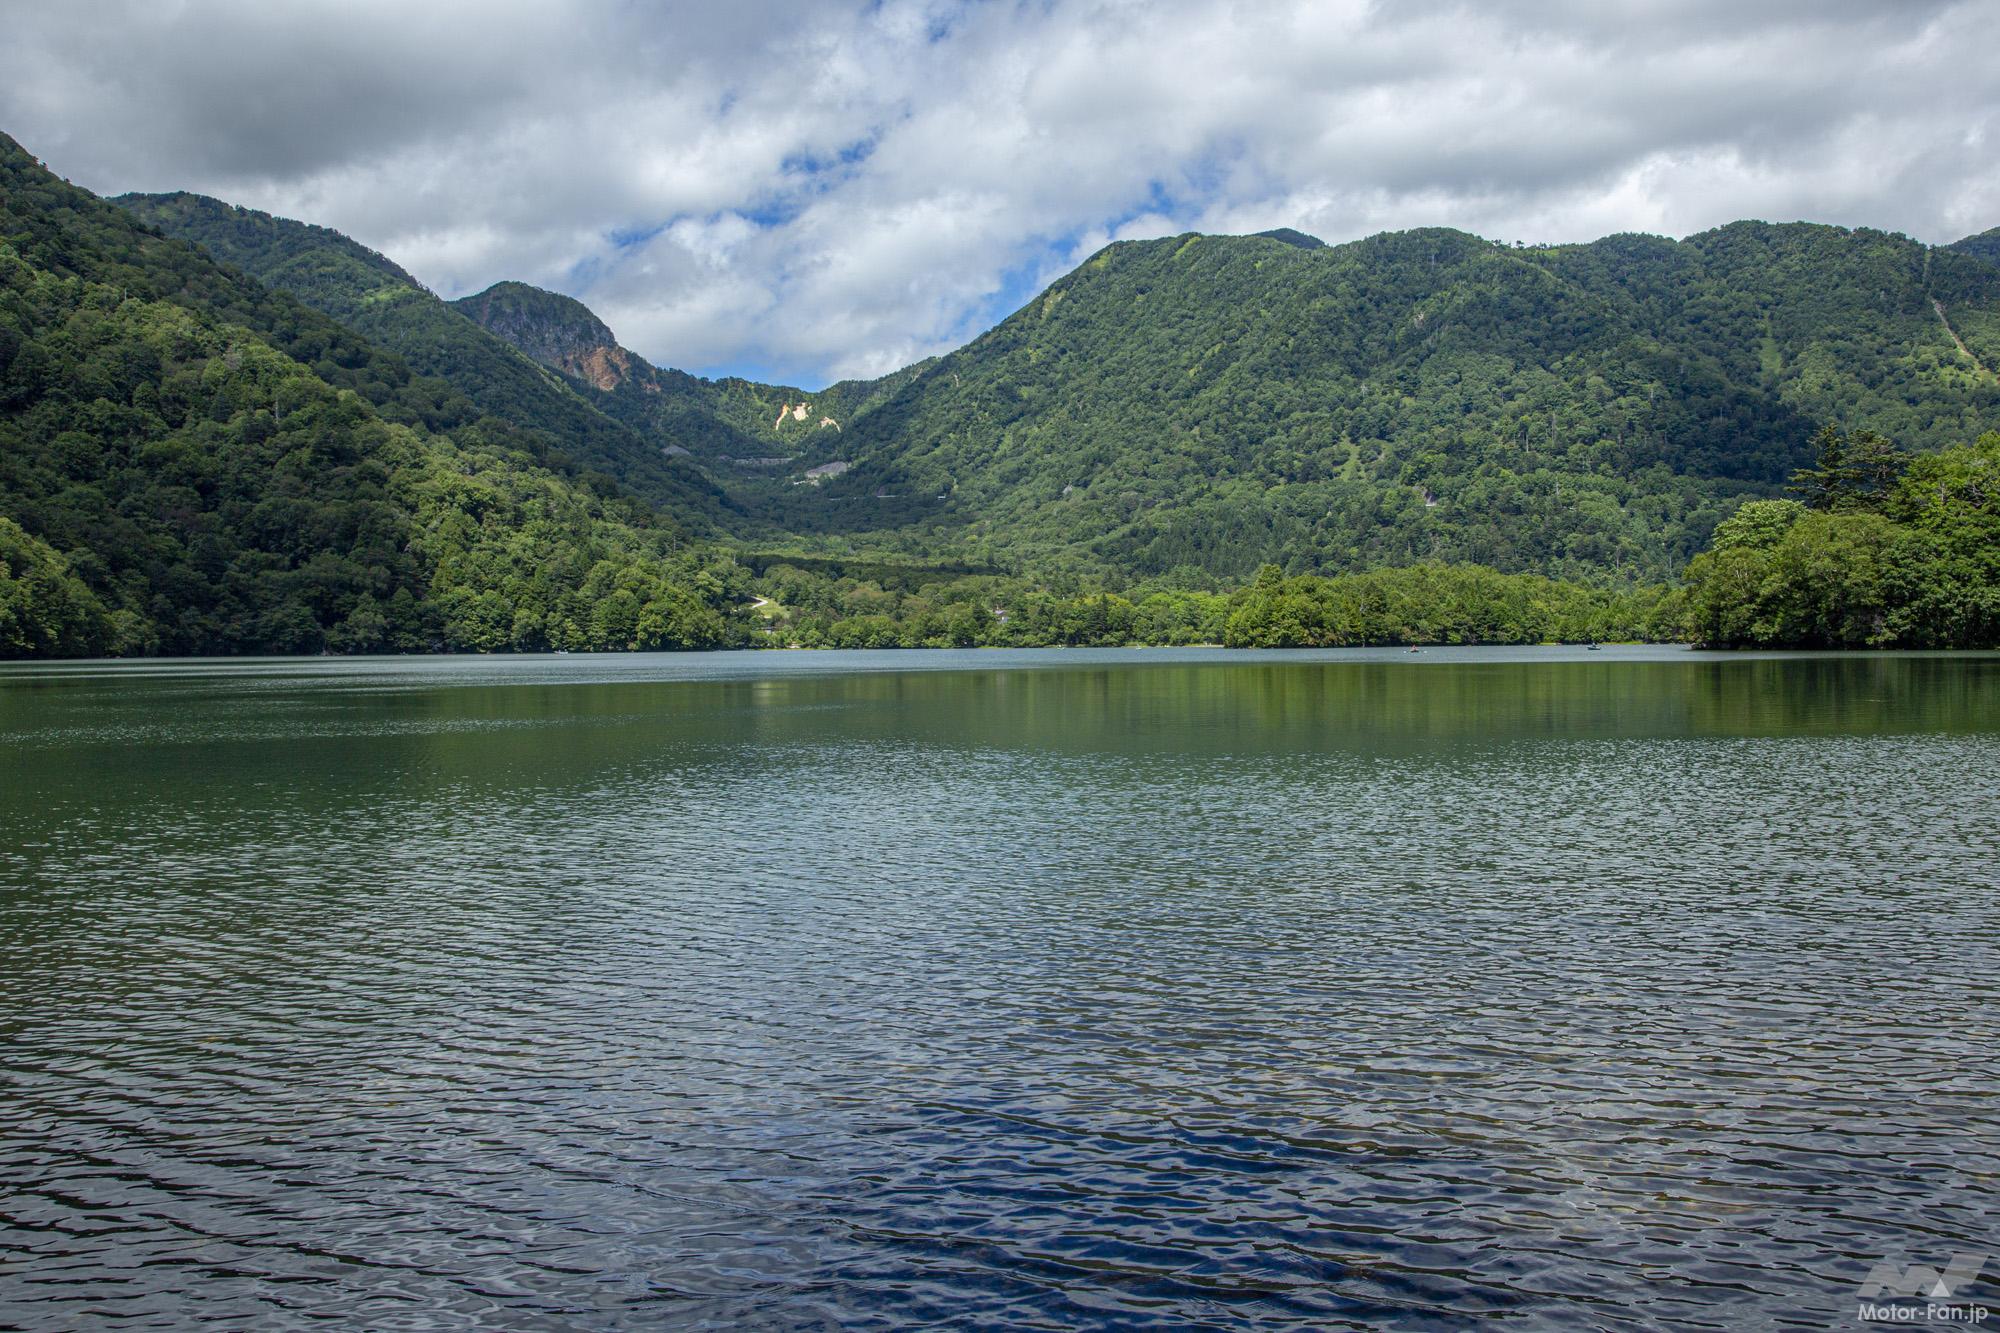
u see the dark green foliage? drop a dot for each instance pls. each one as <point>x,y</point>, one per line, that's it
<point>1914,563</point>
<point>192,464</point>
<point>1292,236</point>
<point>1204,405</point>
<point>1985,246</point>
<point>1849,471</point>
<point>373,297</point>
<point>67,233</point>
<point>1424,604</point>
<point>45,610</point>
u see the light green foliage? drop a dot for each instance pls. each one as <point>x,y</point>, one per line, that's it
<point>1758,525</point>
<point>1912,561</point>
<point>1426,604</point>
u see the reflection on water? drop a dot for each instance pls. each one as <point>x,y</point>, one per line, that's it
<point>1637,990</point>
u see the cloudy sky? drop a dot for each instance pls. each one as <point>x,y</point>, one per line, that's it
<point>814,190</point>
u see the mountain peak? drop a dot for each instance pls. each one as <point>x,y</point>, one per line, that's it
<point>1986,246</point>
<point>556,330</point>
<point>1292,236</point>
<point>255,239</point>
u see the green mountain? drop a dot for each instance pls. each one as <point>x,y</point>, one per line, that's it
<point>1199,406</point>
<point>1189,409</point>
<point>1205,404</point>
<point>754,435</point>
<point>373,296</point>
<point>551,328</point>
<point>1986,246</point>
<point>191,462</point>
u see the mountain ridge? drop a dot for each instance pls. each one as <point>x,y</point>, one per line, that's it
<point>375,297</point>
<point>1195,406</point>
<point>1410,388</point>
<point>759,436</point>
<point>194,463</point>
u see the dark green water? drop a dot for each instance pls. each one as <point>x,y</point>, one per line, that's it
<point>1630,989</point>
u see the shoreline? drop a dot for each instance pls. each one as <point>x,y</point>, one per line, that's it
<point>691,664</point>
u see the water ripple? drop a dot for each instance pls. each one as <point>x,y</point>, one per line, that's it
<point>1306,992</point>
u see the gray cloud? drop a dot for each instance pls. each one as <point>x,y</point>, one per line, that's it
<point>817,190</point>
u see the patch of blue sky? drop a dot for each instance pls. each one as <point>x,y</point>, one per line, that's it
<point>626,238</point>
<point>584,273</point>
<point>942,21</point>
<point>820,171</point>
<point>806,379</point>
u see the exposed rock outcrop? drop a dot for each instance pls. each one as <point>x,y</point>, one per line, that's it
<point>554,329</point>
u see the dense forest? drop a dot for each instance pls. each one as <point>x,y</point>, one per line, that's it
<point>1196,407</point>
<point>371,296</point>
<point>1209,404</point>
<point>1881,549</point>
<point>225,432</point>
<point>193,463</point>
<point>1422,604</point>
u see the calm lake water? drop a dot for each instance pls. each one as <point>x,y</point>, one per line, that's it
<point>1631,989</point>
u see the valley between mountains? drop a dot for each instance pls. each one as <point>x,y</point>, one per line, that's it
<point>230,432</point>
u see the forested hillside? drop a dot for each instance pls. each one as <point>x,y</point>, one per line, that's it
<point>1207,404</point>
<point>372,296</point>
<point>193,463</point>
<point>299,448</point>
<point>1986,246</point>
<point>1880,549</point>
<point>750,433</point>
<point>1196,407</point>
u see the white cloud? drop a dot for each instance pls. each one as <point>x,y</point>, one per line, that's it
<point>821,190</point>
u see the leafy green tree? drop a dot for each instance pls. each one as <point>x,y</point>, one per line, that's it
<point>45,610</point>
<point>1832,481</point>
<point>968,625</point>
<point>1923,572</point>
<point>1758,525</point>
<point>1854,471</point>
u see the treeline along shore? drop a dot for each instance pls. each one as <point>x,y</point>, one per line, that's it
<point>323,458</point>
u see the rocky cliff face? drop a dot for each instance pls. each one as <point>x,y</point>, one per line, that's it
<point>554,329</point>
<point>729,419</point>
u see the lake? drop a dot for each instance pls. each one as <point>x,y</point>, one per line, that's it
<point>1639,988</point>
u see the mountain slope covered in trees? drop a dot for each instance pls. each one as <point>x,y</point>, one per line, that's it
<point>1195,407</point>
<point>371,295</point>
<point>191,462</point>
<point>1986,246</point>
<point>741,427</point>
<point>299,448</point>
<point>1206,404</point>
